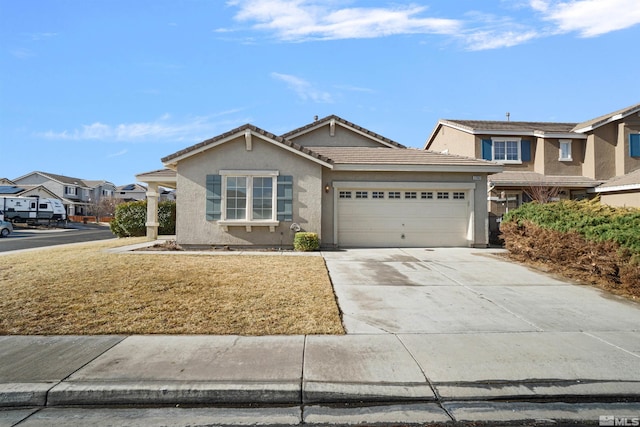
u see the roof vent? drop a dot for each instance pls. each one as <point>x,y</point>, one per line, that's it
<point>508,115</point>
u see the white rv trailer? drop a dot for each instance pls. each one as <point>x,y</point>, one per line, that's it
<point>32,209</point>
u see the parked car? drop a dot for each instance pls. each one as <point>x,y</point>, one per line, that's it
<point>5,228</point>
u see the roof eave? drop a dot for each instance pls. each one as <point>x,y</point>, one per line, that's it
<point>369,167</point>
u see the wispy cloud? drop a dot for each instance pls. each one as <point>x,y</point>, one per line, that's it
<point>118,154</point>
<point>589,18</point>
<point>161,130</point>
<point>304,20</point>
<point>299,20</point>
<point>304,89</point>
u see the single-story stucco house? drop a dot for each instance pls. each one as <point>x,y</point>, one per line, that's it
<point>353,187</point>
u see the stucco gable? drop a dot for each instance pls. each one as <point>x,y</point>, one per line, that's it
<point>333,121</point>
<point>247,131</point>
<point>592,124</point>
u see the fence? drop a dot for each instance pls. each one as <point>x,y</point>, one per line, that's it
<point>87,219</point>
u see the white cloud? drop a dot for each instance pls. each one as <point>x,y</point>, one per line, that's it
<point>589,17</point>
<point>160,130</point>
<point>118,154</point>
<point>298,20</point>
<point>304,89</point>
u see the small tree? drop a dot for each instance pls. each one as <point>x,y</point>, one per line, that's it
<point>542,193</point>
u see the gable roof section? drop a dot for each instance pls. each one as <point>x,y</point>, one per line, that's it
<point>409,159</point>
<point>491,127</point>
<point>628,182</point>
<point>592,124</point>
<point>172,159</point>
<point>54,177</point>
<point>344,123</point>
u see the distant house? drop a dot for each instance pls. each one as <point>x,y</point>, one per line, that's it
<point>78,195</point>
<point>564,160</point>
<point>131,192</point>
<point>351,186</point>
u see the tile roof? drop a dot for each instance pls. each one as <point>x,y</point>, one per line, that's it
<point>604,119</point>
<point>238,130</point>
<point>393,156</point>
<point>516,127</point>
<point>629,181</point>
<point>325,120</point>
<point>517,179</point>
<point>64,179</point>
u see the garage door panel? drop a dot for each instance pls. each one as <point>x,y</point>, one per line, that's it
<point>402,222</point>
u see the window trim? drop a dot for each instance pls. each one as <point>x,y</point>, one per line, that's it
<point>249,222</point>
<point>568,143</point>
<point>518,142</point>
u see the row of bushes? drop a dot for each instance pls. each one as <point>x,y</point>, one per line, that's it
<point>585,240</point>
<point>130,219</point>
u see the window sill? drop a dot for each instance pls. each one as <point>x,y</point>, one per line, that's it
<point>249,224</point>
<point>569,159</point>
<point>508,162</point>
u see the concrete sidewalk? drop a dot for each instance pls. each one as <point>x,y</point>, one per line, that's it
<point>415,378</point>
<point>433,336</point>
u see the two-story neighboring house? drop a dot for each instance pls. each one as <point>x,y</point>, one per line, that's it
<point>78,195</point>
<point>544,159</point>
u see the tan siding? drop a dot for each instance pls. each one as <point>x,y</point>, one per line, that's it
<point>456,141</point>
<point>557,167</point>
<point>628,199</point>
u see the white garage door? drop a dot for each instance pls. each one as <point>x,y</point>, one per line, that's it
<point>402,218</point>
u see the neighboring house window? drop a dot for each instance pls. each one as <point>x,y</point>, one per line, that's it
<point>506,150</point>
<point>634,145</point>
<point>71,191</point>
<point>565,150</point>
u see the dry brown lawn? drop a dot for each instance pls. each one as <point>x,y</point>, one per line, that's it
<point>83,290</point>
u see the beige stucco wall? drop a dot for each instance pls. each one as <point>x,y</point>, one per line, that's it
<point>480,196</point>
<point>624,162</point>
<point>191,224</point>
<point>600,152</point>
<point>553,166</point>
<point>457,142</point>
<point>321,137</point>
<point>628,199</point>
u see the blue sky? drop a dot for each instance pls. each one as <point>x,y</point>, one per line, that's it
<point>104,89</point>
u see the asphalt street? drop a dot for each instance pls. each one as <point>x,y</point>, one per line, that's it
<point>28,238</point>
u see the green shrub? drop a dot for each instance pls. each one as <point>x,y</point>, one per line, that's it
<point>130,219</point>
<point>590,219</point>
<point>305,242</point>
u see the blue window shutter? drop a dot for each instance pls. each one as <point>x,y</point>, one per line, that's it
<point>285,198</point>
<point>214,197</point>
<point>525,150</point>
<point>487,148</point>
<point>634,145</point>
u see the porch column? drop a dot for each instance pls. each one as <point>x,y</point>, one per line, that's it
<point>152,211</point>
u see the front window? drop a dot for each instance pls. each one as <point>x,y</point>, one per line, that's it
<point>262,197</point>
<point>72,191</point>
<point>565,150</point>
<point>236,197</point>
<point>506,150</point>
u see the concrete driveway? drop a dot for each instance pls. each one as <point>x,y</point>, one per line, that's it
<point>460,290</point>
